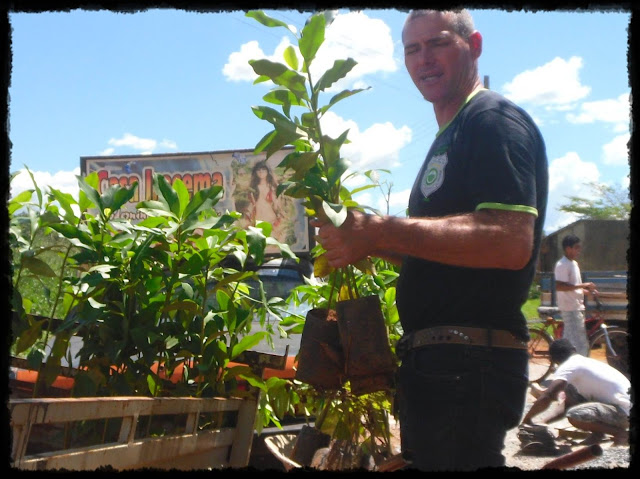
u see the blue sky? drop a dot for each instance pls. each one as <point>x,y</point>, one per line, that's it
<point>86,83</point>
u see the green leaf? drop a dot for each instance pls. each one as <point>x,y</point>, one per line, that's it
<point>247,342</point>
<point>339,70</point>
<point>28,337</point>
<point>167,194</point>
<point>311,37</point>
<point>331,150</point>
<point>275,141</point>
<point>285,249</point>
<point>38,267</point>
<point>95,304</point>
<point>256,239</point>
<point>89,185</point>
<point>266,20</point>
<point>231,278</point>
<point>204,199</point>
<point>194,264</point>
<point>65,200</point>
<point>291,57</point>
<point>150,221</point>
<point>264,142</point>
<point>261,79</point>
<point>155,208</point>
<point>183,195</point>
<point>51,370</point>
<point>35,186</point>
<point>188,289</point>
<point>336,213</point>
<point>18,201</point>
<point>185,305</point>
<point>300,162</point>
<point>362,188</point>
<point>154,384</point>
<point>309,121</point>
<point>281,75</point>
<point>116,196</point>
<point>277,119</point>
<point>70,231</point>
<point>341,96</point>
<point>282,96</point>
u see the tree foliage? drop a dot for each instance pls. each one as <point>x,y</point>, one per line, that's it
<point>607,203</point>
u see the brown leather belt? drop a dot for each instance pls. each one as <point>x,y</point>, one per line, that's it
<point>497,338</point>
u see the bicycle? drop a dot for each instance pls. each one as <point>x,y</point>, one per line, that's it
<point>606,343</point>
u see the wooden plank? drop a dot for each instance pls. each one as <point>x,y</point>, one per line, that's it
<point>215,448</point>
<point>241,449</point>
<point>147,452</point>
<point>56,410</point>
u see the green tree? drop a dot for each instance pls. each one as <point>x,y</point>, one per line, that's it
<point>607,203</point>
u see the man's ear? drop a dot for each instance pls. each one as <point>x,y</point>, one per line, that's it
<point>475,41</point>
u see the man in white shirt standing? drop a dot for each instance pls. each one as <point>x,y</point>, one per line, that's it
<point>570,291</point>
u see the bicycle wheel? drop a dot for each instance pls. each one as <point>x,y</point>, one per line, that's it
<point>618,354</point>
<point>540,365</point>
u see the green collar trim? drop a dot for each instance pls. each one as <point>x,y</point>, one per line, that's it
<point>464,103</point>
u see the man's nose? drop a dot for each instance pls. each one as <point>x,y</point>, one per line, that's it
<point>426,55</point>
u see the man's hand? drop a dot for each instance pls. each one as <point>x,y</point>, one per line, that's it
<point>350,242</point>
<point>591,289</point>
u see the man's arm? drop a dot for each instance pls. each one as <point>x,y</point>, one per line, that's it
<point>545,399</point>
<point>487,238</point>
<point>564,286</point>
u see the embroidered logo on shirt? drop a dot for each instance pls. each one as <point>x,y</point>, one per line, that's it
<point>433,174</point>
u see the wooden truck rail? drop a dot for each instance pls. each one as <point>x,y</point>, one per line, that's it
<point>191,448</point>
<point>160,433</point>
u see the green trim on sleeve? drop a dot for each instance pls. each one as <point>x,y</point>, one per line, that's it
<point>502,206</point>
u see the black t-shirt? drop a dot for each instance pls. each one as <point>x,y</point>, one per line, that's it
<point>491,155</point>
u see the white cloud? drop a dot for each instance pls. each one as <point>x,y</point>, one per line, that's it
<point>237,67</point>
<point>64,181</point>
<point>616,111</point>
<point>625,182</point>
<point>368,41</point>
<point>354,35</point>
<point>377,147</point>
<point>555,85</point>
<point>169,144</point>
<point>145,146</point>
<point>568,176</point>
<point>616,152</point>
<point>132,141</point>
<point>398,202</point>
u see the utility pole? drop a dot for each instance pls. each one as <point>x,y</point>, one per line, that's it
<point>486,81</point>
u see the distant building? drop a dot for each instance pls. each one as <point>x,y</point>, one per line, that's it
<point>605,244</point>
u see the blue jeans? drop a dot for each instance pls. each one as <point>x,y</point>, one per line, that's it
<point>456,404</point>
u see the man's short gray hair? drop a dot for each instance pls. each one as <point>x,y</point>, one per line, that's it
<point>461,20</point>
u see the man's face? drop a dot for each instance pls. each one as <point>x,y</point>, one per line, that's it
<point>572,252</point>
<point>439,61</point>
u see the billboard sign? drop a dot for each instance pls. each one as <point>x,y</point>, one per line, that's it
<point>249,183</point>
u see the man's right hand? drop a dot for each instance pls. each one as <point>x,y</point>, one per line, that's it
<point>347,244</point>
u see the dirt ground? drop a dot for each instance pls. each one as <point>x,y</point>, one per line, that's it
<point>567,439</point>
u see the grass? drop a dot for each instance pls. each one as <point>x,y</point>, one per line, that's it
<point>530,308</point>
